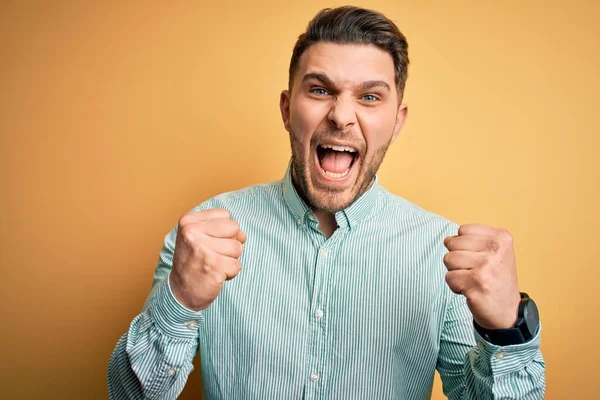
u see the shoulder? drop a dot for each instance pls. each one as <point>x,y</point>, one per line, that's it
<point>244,198</point>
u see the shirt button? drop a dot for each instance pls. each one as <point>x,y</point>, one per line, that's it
<point>323,253</point>
<point>318,313</point>
<point>191,324</point>
<point>171,372</point>
<point>500,355</point>
<point>299,221</point>
<point>314,377</point>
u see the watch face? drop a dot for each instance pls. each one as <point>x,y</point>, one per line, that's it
<point>531,317</point>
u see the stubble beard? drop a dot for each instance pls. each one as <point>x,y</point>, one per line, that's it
<point>332,200</point>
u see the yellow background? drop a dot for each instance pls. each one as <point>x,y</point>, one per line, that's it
<point>117,119</point>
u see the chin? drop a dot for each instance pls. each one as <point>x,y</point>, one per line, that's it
<point>330,201</point>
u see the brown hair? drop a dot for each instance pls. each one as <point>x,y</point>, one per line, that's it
<point>354,25</point>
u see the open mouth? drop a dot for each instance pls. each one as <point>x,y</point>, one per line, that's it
<point>336,161</point>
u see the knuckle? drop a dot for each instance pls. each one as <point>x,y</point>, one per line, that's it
<point>447,258</point>
<point>451,282</point>
<point>233,267</point>
<point>184,220</point>
<point>239,248</point>
<point>483,260</point>
<point>463,229</point>
<point>236,265</point>
<point>233,224</point>
<point>205,269</point>
<point>221,212</point>
<point>188,234</point>
<point>448,278</point>
<point>206,257</point>
<point>493,244</point>
<point>505,236</point>
<point>448,241</point>
<point>184,230</point>
<point>200,251</point>
<point>479,278</point>
<point>210,259</point>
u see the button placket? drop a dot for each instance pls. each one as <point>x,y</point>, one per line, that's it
<point>318,331</point>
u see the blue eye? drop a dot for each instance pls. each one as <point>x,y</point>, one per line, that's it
<point>319,91</point>
<point>370,97</point>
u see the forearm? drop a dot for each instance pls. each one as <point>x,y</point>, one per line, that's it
<point>154,358</point>
<point>472,368</point>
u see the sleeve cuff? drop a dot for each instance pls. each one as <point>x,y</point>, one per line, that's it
<point>506,359</point>
<point>171,317</point>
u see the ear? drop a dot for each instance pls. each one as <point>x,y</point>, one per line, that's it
<point>284,106</point>
<point>400,118</point>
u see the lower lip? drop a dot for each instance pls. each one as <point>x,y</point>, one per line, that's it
<point>330,179</point>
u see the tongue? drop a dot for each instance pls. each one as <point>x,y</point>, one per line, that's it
<point>336,161</point>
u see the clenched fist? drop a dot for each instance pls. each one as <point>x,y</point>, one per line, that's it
<point>481,266</point>
<point>207,249</point>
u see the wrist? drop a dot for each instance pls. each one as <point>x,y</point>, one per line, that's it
<point>175,286</point>
<point>170,316</point>
<point>521,331</point>
<point>186,298</point>
<point>505,317</point>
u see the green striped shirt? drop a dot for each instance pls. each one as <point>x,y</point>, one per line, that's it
<point>365,314</point>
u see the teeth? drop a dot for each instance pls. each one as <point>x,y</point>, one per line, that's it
<point>336,174</point>
<point>338,148</point>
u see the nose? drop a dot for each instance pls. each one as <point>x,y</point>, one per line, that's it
<point>342,114</point>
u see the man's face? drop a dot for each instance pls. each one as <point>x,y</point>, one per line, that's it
<point>342,115</point>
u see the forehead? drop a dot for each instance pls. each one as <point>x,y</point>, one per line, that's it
<point>347,64</point>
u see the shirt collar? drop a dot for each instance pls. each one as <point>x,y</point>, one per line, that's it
<point>349,217</point>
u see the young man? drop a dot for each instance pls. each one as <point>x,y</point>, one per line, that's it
<point>324,285</point>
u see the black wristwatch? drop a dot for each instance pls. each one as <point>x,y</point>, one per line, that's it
<point>525,328</point>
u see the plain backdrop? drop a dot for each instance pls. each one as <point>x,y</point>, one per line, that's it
<point>116,118</point>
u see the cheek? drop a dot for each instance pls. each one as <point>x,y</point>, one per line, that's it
<point>378,128</point>
<point>306,116</point>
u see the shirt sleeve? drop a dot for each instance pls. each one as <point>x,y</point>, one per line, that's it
<point>154,358</point>
<point>472,368</point>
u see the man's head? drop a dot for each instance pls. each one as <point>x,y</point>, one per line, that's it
<point>343,105</point>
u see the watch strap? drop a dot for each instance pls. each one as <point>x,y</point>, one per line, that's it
<point>504,337</point>
<point>500,337</point>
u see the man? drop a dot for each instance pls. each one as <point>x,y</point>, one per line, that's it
<point>324,285</point>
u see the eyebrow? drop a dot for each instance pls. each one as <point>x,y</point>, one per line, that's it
<point>324,79</point>
<point>375,84</point>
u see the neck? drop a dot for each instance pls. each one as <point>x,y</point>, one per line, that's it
<point>327,222</point>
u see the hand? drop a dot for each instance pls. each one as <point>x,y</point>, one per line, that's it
<point>207,249</point>
<point>481,266</point>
